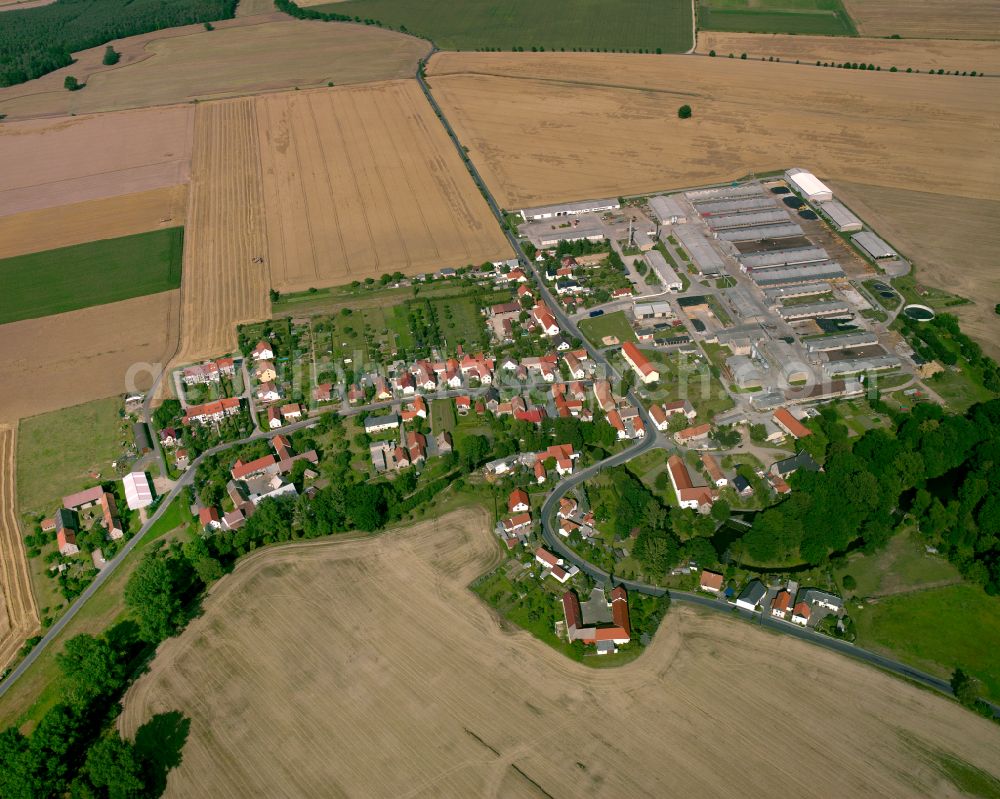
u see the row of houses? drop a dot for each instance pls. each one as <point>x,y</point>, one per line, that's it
<point>209,372</point>
<point>789,602</point>
<point>619,412</point>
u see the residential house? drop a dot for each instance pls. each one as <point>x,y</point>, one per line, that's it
<point>545,320</point>
<point>567,508</point>
<point>780,604</point>
<point>109,512</point>
<point>323,392</point>
<point>563,455</point>
<point>539,472</point>
<point>212,411</point>
<point>688,495</point>
<point>169,437</point>
<point>752,595</point>
<point>463,405</point>
<point>784,419</point>
<point>680,406</point>
<point>801,460</point>
<point>376,424</point>
<point>268,392</point>
<point>273,418</point>
<point>742,486</point>
<point>823,599</point>
<point>711,581</point>
<point>262,352</point>
<point>267,464</point>
<point>714,472</point>
<point>518,501</point>
<point>691,434</point>
<point>517,524</point>
<point>801,613</point>
<point>639,363</point>
<point>209,519</point>
<point>265,372</point>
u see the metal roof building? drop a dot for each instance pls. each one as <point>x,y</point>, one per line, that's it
<point>813,310</point>
<point>855,365</point>
<point>873,245</point>
<point>765,217</point>
<point>138,494</point>
<point>659,265</point>
<point>578,233</point>
<point>667,209</point>
<point>569,209</point>
<point>841,217</point>
<point>703,255</point>
<point>841,342</point>
<point>796,255</point>
<point>725,192</point>
<point>799,273</point>
<point>803,290</point>
<point>759,232</point>
<point>808,185</point>
<point>734,206</point>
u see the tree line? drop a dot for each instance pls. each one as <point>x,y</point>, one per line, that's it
<point>35,41</point>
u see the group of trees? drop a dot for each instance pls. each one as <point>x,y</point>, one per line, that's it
<point>860,65</point>
<point>38,40</point>
<point>941,338</point>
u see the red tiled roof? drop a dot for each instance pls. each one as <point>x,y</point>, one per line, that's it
<point>241,470</point>
<point>802,609</point>
<point>517,497</point>
<point>640,361</point>
<point>781,601</point>
<point>619,610</point>
<point>543,554</point>
<point>571,609</point>
<point>783,418</point>
<point>711,579</point>
<point>90,495</point>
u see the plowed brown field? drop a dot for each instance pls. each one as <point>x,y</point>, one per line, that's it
<point>48,163</point>
<point>34,231</point>
<point>367,668</point>
<point>74,357</point>
<point>222,284</point>
<point>550,127</point>
<point>362,181</point>
<point>922,54</point>
<point>247,55</point>
<point>926,19</point>
<point>18,613</point>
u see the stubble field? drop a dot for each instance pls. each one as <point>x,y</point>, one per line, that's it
<point>363,181</point>
<point>922,54</point>
<point>368,667</point>
<point>18,613</point>
<point>74,357</point>
<point>247,55</point>
<point>551,127</point>
<point>222,284</point>
<point>48,163</point>
<point>926,19</point>
<point>112,217</point>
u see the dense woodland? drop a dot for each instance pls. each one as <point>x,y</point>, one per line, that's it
<point>34,41</point>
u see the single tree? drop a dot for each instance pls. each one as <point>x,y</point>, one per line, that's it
<point>72,84</point>
<point>965,687</point>
<point>111,56</point>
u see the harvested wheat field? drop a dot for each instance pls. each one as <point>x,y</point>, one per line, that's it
<point>550,127</point>
<point>922,54</point>
<point>47,163</point>
<point>18,613</point>
<point>368,668</point>
<point>62,226</point>
<point>363,181</point>
<point>68,358</point>
<point>261,55</point>
<point>926,19</point>
<point>953,242</point>
<point>225,276</point>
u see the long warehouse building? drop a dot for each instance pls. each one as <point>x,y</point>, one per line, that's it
<point>842,342</point>
<point>769,216</point>
<point>725,192</point>
<point>791,292</point>
<point>734,206</point>
<point>814,310</point>
<point>796,255</point>
<point>808,185</point>
<point>660,266</point>
<point>855,366</point>
<point>840,216</point>
<point>702,254</point>
<point>667,209</point>
<point>569,209</point>
<point>759,232</point>
<point>800,273</point>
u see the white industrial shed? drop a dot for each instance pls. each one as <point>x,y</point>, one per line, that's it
<point>808,185</point>
<point>667,209</point>
<point>766,217</point>
<point>794,255</point>
<point>846,341</point>
<point>702,254</point>
<point>841,217</point>
<point>667,275</point>
<point>138,494</point>
<point>798,273</point>
<point>759,232</point>
<point>814,310</point>
<point>734,206</point>
<point>579,233</point>
<point>569,209</point>
<point>725,192</point>
<point>873,245</point>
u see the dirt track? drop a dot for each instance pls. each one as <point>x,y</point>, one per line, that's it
<point>74,357</point>
<point>551,127</point>
<point>34,231</point>
<point>221,284</point>
<point>367,668</point>
<point>362,181</point>
<point>18,613</point>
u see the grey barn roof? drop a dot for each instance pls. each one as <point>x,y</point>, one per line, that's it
<point>666,208</point>
<point>802,290</point>
<point>840,215</point>
<point>659,264</point>
<point>841,342</point>
<point>807,310</point>
<point>725,192</point>
<point>759,232</point>
<point>798,273</point>
<point>796,255</point>
<point>703,255</point>
<point>765,217</point>
<point>856,365</point>
<point>873,245</point>
<point>734,206</point>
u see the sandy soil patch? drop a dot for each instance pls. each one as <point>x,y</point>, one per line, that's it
<point>368,668</point>
<point>18,613</point>
<point>957,19</point>
<point>62,226</point>
<point>246,56</point>
<point>363,181</point>
<point>922,54</point>
<point>66,161</point>
<point>248,8</point>
<point>222,282</point>
<point>74,357</point>
<point>953,241</point>
<point>554,127</point>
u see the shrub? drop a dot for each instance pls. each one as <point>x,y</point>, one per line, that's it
<point>111,56</point>
<point>684,112</point>
<point>72,84</point>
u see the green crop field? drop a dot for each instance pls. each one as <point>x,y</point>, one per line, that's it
<point>625,25</point>
<point>819,17</point>
<point>95,273</point>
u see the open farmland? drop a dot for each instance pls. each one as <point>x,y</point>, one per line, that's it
<point>922,54</point>
<point>551,127</point>
<point>247,56</point>
<point>18,614</point>
<point>396,672</point>
<point>589,24</point>
<point>927,19</point>
<point>359,182</point>
<point>94,273</point>
<point>63,360</point>
<point>952,241</point>
<point>225,277</point>
<point>50,163</point>
<point>112,217</point>
<point>824,17</point>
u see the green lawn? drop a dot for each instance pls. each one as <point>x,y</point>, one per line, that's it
<point>903,565</point>
<point>442,415</point>
<point>89,274</point>
<point>610,324</point>
<point>57,451</point>
<point>820,17</point>
<point>938,630</point>
<point>682,378</point>
<point>507,24</point>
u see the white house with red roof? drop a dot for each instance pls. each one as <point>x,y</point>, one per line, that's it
<point>710,581</point>
<point>640,363</point>
<point>262,351</point>
<point>801,613</point>
<point>792,426</point>
<point>209,518</point>
<point>688,495</point>
<point>518,501</point>
<point>545,320</point>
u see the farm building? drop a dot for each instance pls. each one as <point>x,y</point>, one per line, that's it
<point>775,295</point>
<point>759,232</point>
<point>790,256</point>
<point>667,209</point>
<point>770,216</point>
<point>840,216</point>
<point>576,233</point>
<point>725,192</point>
<point>639,363</point>
<point>842,342</point>
<point>138,494</point>
<point>796,273</point>
<point>569,209</point>
<point>376,424</point>
<point>688,495</point>
<point>878,363</point>
<point>873,245</point>
<point>702,253</point>
<point>808,185</point>
<point>733,206</point>
<point>652,310</point>
<point>814,310</point>
<point>751,596</point>
<point>666,273</point>
<point>83,499</point>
